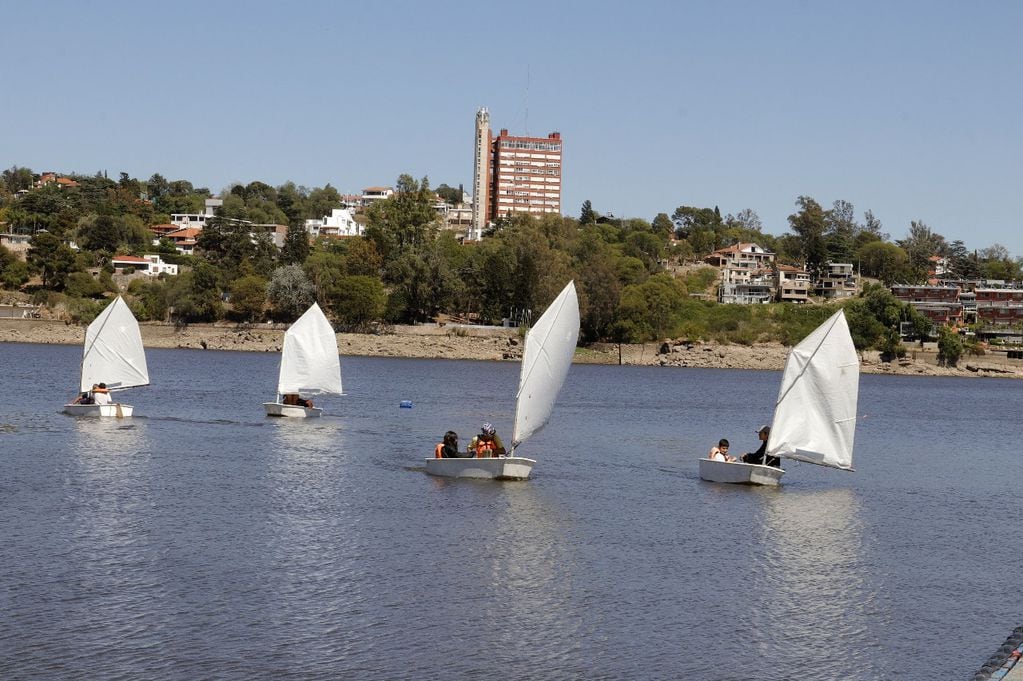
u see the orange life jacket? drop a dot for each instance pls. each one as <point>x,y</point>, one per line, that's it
<point>484,448</point>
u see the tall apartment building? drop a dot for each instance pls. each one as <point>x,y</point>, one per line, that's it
<point>514,174</point>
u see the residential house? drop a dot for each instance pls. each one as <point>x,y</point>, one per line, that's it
<point>793,284</point>
<point>999,306</point>
<point>150,265</point>
<point>837,281</point>
<point>197,220</point>
<point>339,223</point>
<point>54,178</point>
<point>184,239</point>
<point>747,274</point>
<point>372,194</point>
<point>940,304</point>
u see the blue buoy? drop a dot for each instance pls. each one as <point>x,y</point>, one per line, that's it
<point>406,404</point>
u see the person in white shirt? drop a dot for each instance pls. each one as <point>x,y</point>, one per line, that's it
<point>720,453</point>
<point>100,394</point>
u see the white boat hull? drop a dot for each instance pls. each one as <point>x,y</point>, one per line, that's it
<point>739,473</point>
<point>291,410</point>
<point>101,410</point>
<point>495,468</point>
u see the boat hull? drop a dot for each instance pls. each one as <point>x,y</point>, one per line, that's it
<point>291,410</point>
<point>495,468</point>
<point>739,473</point>
<point>99,410</point>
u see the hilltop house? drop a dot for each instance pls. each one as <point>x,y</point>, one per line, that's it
<point>150,265</point>
<point>747,274</point>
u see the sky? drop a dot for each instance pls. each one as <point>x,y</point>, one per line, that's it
<point>911,110</point>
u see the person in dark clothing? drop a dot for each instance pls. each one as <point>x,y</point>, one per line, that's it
<point>448,449</point>
<point>758,456</point>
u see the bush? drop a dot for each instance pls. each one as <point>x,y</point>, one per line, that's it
<point>950,347</point>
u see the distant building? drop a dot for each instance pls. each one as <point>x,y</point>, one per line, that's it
<point>54,178</point>
<point>793,284</point>
<point>837,281</point>
<point>184,239</point>
<point>150,265</point>
<point>747,274</point>
<point>371,195</point>
<point>940,304</point>
<point>513,174</point>
<point>999,306</point>
<point>339,223</point>
<point>197,220</point>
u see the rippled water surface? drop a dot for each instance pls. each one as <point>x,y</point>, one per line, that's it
<point>203,540</point>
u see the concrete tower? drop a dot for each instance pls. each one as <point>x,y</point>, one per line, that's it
<point>481,174</point>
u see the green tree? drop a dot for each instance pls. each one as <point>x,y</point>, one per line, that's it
<point>995,263</point>
<point>450,195</point>
<point>150,299</point>
<point>950,347</point>
<point>248,297</point>
<point>83,285</point>
<point>405,220</point>
<point>51,258</point>
<point>587,216</point>
<point>296,245</point>
<point>195,296</point>
<point>100,234</point>
<point>358,300</point>
<point>809,225</point>
<point>421,285</point>
<point>884,261</point>
<point>840,231</point>
<point>650,310</point>
<point>920,245</point>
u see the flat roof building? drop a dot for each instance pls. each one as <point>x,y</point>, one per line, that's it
<point>514,174</point>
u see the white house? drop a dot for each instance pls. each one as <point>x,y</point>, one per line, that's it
<point>150,265</point>
<point>340,222</point>
<point>196,220</point>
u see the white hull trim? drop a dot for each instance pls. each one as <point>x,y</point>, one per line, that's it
<point>739,473</point>
<point>495,468</point>
<point>292,410</point>
<point>104,410</point>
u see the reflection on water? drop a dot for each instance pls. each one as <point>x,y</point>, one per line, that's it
<point>203,540</point>
<point>810,598</point>
<point>114,437</point>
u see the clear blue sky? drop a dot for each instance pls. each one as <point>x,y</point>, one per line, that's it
<point>909,109</point>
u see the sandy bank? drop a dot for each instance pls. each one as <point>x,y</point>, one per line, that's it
<point>475,343</point>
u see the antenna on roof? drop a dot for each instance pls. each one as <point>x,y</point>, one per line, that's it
<point>526,125</point>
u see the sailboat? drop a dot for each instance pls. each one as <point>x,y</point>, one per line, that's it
<point>309,365</point>
<point>546,358</point>
<point>113,354</point>
<point>815,413</point>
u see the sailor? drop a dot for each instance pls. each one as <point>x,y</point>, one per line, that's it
<point>487,443</point>
<point>100,394</point>
<point>295,400</point>
<point>758,456</point>
<point>448,449</point>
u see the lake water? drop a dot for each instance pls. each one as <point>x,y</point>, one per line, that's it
<point>203,540</point>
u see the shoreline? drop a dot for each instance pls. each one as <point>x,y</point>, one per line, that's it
<point>496,343</point>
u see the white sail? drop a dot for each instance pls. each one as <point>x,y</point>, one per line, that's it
<point>309,361</point>
<point>113,351</point>
<point>815,415</point>
<point>548,352</point>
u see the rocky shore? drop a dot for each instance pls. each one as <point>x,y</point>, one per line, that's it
<point>488,343</point>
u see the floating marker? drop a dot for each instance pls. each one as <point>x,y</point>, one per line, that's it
<point>406,404</point>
